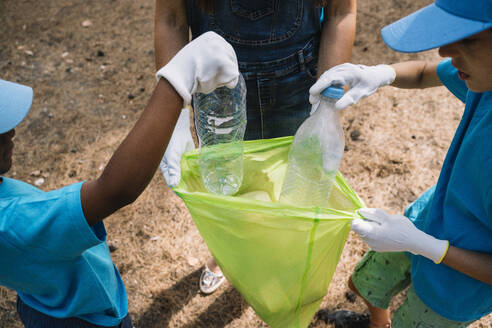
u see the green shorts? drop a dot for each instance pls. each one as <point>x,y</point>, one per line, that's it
<point>380,276</point>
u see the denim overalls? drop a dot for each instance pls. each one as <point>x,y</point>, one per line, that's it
<point>277,44</point>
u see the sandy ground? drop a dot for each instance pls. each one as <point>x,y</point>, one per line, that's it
<point>91,83</point>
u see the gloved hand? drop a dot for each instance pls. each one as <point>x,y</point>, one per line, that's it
<point>363,82</point>
<point>396,233</point>
<point>204,64</point>
<point>181,142</point>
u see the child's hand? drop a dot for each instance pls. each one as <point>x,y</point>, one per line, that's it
<point>181,142</point>
<point>204,64</point>
<point>396,233</point>
<point>363,82</point>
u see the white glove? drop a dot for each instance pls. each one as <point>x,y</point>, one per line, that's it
<point>181,142</point>
<point>396,233</point>
<point>363,81</point>
<point>204,64</point>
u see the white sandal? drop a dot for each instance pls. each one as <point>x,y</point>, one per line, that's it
<point>210,281</point>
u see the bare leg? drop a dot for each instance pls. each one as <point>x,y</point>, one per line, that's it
<point>380,318</point>
<point>212,265</point>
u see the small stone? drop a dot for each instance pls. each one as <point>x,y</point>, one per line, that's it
<point>100,53</point>
<point>65,54</point>
<point>193,261</point>
<point>355,135</point>
<point>154,238</point>
<point>29,52</point>
<point>36,173</point>
<point>86,23</point>
<point>39,182</point>
<point>72,173</point>
<point>350,296</point>
<point>130,96</point>
<point>112,246</point>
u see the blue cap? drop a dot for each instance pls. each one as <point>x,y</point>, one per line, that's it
<point>333,92</point>
<point>438,24</point>
<point>15,102</point>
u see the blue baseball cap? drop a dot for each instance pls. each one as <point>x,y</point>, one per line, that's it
<point>15,102</point>
<point>438,24</point>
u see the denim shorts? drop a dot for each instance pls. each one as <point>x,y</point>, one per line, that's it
<point>32,318</point>
<point>380,276</point>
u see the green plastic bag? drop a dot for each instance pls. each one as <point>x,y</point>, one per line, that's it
<point>281,258</point>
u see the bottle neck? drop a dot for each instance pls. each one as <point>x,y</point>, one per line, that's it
<point>328,99</point>
<point>327,104</point>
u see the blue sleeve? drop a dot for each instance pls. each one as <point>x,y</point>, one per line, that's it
<point>449,77</point>
<point>49,223</point>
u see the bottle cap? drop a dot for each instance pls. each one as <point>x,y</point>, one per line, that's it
<point>333,92</point>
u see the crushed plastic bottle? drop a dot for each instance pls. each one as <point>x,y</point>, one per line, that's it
<point>220,120</point>
<point>315,155</point>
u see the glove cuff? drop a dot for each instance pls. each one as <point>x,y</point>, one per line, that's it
<point>388,74</point>
<point>172,76</point>
<point>444,253</point>
<point>434,249</point>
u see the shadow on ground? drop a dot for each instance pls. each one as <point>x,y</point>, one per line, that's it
<point>227,307</point>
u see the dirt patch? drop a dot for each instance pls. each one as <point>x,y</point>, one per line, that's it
<point>91,83</point>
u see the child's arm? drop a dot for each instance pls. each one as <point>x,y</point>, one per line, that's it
<point>338,34</point>
<point>171,32</point>
<point>416,75</point>
<point>204,64</point>
<point>396,233</point>
<point>133,164</point>
<point>474,264</point>
<point>362,81</point>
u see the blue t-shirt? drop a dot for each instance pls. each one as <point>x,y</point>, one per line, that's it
<point>56,262</point>
<point>459,209</point>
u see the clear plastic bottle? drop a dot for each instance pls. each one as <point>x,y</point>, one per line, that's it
<point>315,155</point>
<point>220,120</point>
